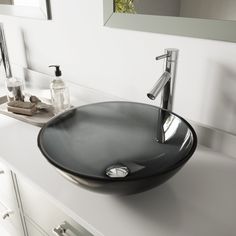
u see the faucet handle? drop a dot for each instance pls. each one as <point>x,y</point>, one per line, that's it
<point>170,53</point>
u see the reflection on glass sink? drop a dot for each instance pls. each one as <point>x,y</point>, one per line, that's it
<point>117,147</point>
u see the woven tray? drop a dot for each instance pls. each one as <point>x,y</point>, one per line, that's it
<point>39,119</point>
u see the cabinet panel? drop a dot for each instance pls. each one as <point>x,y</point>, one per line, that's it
<point>43,212</point>
<point>34,230</point>
<point>11,223</point>
<point>7,193</point>
<point>10,217</point>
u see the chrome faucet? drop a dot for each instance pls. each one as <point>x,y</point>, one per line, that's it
<point>166,82</point>
<point>4,53</point>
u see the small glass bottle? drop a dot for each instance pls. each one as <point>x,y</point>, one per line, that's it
<point>59,92</point>
<point>15,88</point>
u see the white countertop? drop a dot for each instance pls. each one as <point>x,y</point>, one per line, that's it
<point>200,200</point>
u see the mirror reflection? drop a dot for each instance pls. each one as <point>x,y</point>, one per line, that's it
<point>205,9</point>
<point>31,3</point>
<point>38,9</point>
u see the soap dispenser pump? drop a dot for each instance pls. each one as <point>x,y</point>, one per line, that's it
<point>59,92</point>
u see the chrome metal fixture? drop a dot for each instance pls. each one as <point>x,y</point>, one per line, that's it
<point>166,82</point>
<point>6,213</point>
<point>117,171</point>
<point>63,229</point>
<point>4,53</point>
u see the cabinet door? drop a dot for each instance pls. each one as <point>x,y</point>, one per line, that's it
<point>7,194</point>
<point>42,211</point>
<point>10,217</point>
<point>34,230</point>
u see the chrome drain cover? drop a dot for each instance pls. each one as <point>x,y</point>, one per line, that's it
<point>117,171</point>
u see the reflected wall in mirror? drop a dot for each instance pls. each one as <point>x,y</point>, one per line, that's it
<point>209,19</point>
<point>38,9</point>
<point>205,9</point>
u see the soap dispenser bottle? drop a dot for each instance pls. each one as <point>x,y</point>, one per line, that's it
<point>59,92</point>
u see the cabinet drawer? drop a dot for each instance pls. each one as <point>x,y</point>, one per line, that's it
<point>10,220</point>
<point>39,208</point>
<point>9,212</point>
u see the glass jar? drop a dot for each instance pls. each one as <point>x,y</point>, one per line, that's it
<point>15,89</point>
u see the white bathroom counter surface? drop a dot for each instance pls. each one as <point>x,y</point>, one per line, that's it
<point>200,200</point>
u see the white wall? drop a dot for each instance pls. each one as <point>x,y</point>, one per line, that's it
<point>122,62</point>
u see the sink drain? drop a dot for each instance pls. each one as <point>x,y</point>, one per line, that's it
<point>117,171</point>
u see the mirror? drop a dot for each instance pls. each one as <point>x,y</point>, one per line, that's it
<point>204,9</point>
<point>210,19</point>
<point>37,9</point>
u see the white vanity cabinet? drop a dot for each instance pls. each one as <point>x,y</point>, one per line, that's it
<point>42,216</point>
<point>25,210</point>
<point>10,217</point>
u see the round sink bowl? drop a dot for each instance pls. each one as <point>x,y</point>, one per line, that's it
<point>117,147</point>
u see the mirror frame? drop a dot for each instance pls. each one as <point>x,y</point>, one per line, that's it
<point>43,13</point>
<point>223,30</point>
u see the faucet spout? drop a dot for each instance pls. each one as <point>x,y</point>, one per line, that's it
<point>159,85</point>
<point>165,83</point>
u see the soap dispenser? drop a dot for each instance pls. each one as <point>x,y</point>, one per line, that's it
<point>59,92</point>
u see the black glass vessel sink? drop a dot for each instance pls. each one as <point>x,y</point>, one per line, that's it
<point>117,147</point>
